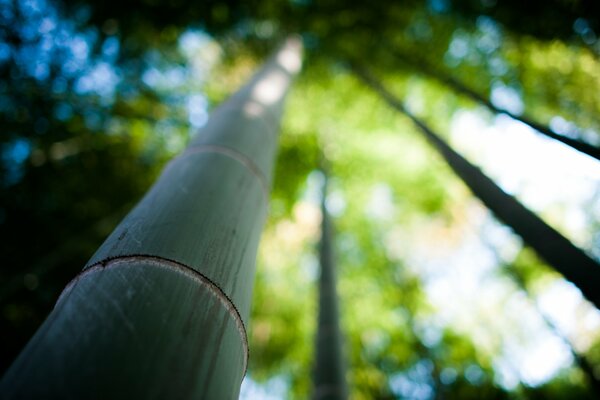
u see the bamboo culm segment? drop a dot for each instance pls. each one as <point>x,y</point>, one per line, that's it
<point>158,317</point>
<point>572,262</point>
<point>160,309</point>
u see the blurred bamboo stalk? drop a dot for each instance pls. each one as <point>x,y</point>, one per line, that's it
<point>574,264</point>
<point>330,370</point>
<point>517,277</point>
<point>460,87</point>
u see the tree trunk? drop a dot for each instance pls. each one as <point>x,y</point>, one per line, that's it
<point>160,310</point>
<point>558,251</point>
<point>586,148</point>
<point>329,373</point>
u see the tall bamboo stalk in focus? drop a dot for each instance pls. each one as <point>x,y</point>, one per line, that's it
<point>160,311</point>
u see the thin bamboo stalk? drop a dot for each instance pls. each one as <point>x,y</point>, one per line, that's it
<point>329,373</point>
<point>580,359</point>
<point>460,87</point>
<point>573,263</point>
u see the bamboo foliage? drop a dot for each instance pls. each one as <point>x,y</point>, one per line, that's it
<point>160,310</point>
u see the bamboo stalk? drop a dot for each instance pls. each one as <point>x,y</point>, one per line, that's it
<point>329,372</point>
<point>572,262</point>
<point>460,87</point>
<point>160,310</point>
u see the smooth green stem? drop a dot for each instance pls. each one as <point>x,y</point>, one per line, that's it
<point>161,308</point>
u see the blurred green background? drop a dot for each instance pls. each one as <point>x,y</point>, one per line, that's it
<point>438,300</point>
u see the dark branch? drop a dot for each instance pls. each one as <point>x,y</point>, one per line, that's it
<point>575,265</point>
<point>460,87</point>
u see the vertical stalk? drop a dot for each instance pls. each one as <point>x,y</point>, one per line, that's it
<point>575,265</point>
<point>160,310</point>
<point>329,372</point>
